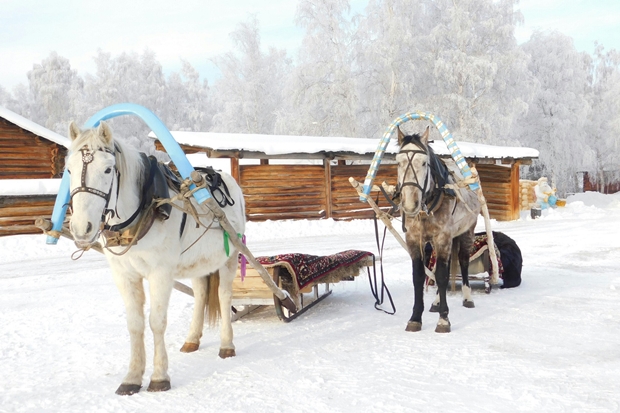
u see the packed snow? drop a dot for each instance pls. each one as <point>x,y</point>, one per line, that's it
<point>550,345</point>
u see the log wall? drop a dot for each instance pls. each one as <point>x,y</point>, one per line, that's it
<point>283,191</point>
<point>345,201</point>
<point>24,155</point>
<point>500,186</point>
<point>18,213</point>
<point>313,191</point>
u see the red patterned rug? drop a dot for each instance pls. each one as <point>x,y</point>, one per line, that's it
<point>309,269</point>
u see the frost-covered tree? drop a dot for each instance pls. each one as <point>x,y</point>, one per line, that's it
<point>388,69</point>
<point>556,121</point>
<point>55,89</point>
<point>476,77</point>
<point>249,92</point>
<point>603,130</point>
<point>321,96</point>
<point>187,104</point>
<point>5,97</point>
<point>129,77</point>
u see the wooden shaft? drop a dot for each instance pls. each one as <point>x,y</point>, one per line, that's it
<point>226,225</point>
<point>387,221</point>
<point>46,225</point>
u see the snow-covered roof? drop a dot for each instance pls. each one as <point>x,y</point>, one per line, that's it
<point>254,145</point>
<point>35,128</point>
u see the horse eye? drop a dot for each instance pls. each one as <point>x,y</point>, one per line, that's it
<point>69,170</point>
<point>107,171</point>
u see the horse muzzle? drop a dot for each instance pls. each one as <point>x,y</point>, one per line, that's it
<point>85,240</point>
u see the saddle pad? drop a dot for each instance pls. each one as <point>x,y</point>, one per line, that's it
<point>308,269</point>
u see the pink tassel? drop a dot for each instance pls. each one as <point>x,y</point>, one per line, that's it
<point>243,261</point>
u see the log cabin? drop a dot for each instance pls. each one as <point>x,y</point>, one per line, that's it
<point>293,177</point>
<point>29,153</point>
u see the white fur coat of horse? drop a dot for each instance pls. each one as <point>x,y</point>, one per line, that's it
<point>99,165</point>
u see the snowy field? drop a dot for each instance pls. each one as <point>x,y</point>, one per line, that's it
<point>550,345</point>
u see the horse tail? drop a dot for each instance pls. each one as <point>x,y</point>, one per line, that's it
<point>212,310</point>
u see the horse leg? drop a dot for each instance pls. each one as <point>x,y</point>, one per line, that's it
<point>435,306</point>
<point>465,244</point>
<point>415,322</point>
<point>132,292</point>
<point>160,289</point>
<point>225,291</point>
<point>442,275</point>
<point>192,342</point>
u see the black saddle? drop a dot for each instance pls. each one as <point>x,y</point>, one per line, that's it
<point>217,187</point>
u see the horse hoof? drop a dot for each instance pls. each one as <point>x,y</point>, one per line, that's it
<point>414,326</point>
<point>227,352</point>
<point>468,304</point>
<point>434,309</point>
<point>189,347</point>
<point>443,326</point>
<point>128,389</point>
<point>159,386</point>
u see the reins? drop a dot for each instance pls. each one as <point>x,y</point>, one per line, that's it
<point>378,291</point>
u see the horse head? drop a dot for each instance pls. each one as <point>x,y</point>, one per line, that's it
<point>92,166</point>
<point>414,173</point>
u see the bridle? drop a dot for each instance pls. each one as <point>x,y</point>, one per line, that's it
<point>411,153</point>
<point>87,158</point>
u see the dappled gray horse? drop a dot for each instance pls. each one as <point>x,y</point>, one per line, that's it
<point>431,212</point>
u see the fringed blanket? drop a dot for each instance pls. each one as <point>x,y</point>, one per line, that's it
<point>479,247</point>
<point>309,269</point>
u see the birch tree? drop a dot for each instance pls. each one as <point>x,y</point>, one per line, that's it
<point>556,121</point>
<point>321,96</point>
<point>479,83</point>
<point>187,102</point>
<point>389,71</point>
<point>604,126</point>
<point>129,77</point>
<point>55,89</point>
<point>249,92</point>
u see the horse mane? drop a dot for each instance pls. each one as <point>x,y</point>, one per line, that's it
<point>128,160</point>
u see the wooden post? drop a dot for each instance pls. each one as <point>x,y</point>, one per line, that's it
<point>328,187</point>
<point>515,212</point>
<point>234,169</point>
<point>264,161</point>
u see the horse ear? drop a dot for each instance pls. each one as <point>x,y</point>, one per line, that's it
<point>104,132</point>
<point>401,136</point>
<point>74,131</point>
<point>424,138</point>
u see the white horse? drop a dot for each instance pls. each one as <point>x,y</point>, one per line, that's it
<point>107,180</point>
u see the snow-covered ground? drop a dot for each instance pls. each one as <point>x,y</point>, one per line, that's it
<point>550,345</point>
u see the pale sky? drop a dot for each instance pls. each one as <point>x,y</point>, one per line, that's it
<point>197,30</point>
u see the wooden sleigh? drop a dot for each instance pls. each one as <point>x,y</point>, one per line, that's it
<point>250,292</point>
<point>301,276</point>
